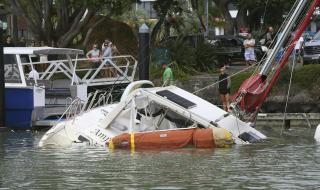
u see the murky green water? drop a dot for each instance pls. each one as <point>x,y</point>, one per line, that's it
<point>290,161</point>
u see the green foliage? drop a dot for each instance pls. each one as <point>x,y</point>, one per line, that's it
<point>175,18</point>
<point>237,80</point>
<point>307,76</point>
<point>205,57</point>
<point>183,54</point>
<point>156,71</point>
<point>168,7</point>
<point>62,21</point>
<point>273,15</point>
<point>188,60</point>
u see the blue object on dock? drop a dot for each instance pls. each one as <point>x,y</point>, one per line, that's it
<point>19,107</point>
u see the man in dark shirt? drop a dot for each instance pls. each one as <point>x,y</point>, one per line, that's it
<point>22,42</point>
<point>269,36</point>
<point>224,88</point>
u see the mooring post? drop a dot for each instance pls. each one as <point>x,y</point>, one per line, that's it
<point>144,52</point>
<point>287,124</point>
<point>2,82</point>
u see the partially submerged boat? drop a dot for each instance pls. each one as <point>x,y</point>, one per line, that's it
<point>169,117</point>
<point>154,117</point>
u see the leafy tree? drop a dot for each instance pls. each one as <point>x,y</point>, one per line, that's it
<point>62,20</point>
<point>166,10</point>
<point>271,12</point>
<point>274,10</point>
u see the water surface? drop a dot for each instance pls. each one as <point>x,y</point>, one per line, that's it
<point>290,161</point>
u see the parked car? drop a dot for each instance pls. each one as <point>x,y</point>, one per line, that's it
<point>231,48</point>
<point>311,50</point>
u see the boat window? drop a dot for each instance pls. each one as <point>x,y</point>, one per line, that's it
<point>176,99</point>
<point>179,120</point>
<point>11,69</point>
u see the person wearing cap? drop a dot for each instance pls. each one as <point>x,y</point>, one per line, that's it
<point>167,76</point>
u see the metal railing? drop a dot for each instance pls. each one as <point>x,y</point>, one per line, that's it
<point>78,106</point>
<point>92,72</point>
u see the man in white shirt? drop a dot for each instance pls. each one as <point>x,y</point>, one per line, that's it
<point>297,49</point>
<point>33,74</point>
<point>249,53</point>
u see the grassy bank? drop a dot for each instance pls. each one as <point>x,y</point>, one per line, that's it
<point>305,78</point>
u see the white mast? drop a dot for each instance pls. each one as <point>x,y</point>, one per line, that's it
<point>286,32</point>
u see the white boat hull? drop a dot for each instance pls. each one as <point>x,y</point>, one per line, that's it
<point>317,134</point>
<point>145,110</point>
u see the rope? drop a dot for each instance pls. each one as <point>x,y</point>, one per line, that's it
<point>234,74</point>
<point>288,94</point>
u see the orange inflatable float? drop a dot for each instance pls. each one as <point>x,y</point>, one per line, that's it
<point>172,139</point>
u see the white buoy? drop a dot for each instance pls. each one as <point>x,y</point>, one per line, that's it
<point>317,134</point>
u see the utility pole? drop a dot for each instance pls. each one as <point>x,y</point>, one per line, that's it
<point>2,81</point>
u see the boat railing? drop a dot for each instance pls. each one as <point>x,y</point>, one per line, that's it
<point>91,72</point>
<point>98,98</point>
<point>73,109</point>
<point>77,106</point>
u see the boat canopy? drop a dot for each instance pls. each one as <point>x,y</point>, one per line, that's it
<point>41,50</point>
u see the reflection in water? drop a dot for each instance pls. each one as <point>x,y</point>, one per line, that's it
<point>282,162</point>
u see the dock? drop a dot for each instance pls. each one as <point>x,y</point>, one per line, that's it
<point>291,119</point>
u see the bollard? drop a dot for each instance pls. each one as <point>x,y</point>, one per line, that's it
<point>144,52</point>
<point>287,124</point>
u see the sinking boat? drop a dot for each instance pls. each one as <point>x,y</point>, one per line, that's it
<point>154,117</point>
<point>170,117</point>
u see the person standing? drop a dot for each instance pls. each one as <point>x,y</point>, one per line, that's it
<point>107,54</point>
<point>297,50</point>
<point>249,53</point>
<point>94,55</point>
<point>22,42</point>
<point>224,88</point>
<point>8,42</point>
<point>105,45</point>
<point>269,36</point>
<point>167,76</point>
<point>32,43</point>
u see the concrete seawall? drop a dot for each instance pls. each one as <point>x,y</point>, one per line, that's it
<point>292,119</point>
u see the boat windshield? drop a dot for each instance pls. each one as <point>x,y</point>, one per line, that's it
<point>11,69</point>
<point>317,36</point>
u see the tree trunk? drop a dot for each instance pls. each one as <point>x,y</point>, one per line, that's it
<point>86,39</point>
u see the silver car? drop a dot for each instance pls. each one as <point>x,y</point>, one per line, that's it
<point>311,50</point>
